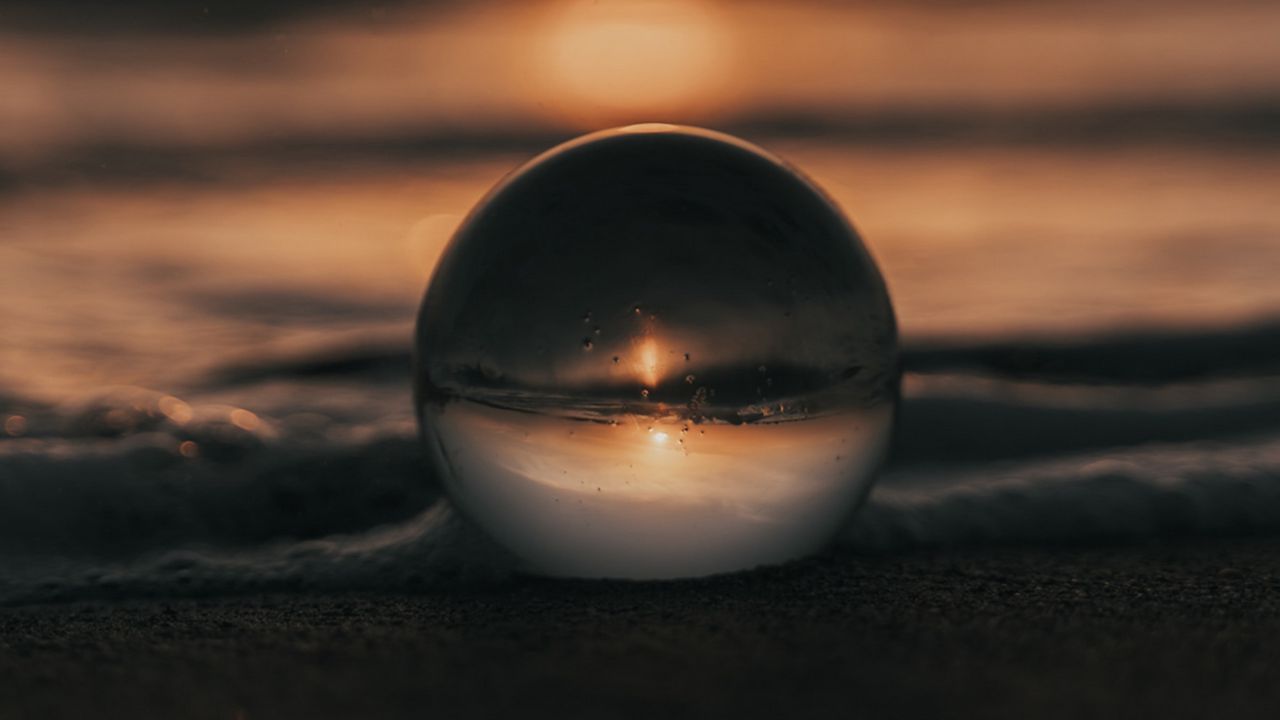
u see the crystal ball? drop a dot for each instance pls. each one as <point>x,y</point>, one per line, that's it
<point>656,352</point>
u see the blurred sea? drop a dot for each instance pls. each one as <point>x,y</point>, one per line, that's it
<point>204,384</point>
<point>204,359</point>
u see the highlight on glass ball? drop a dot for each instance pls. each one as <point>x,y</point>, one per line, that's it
<point>656,352</point>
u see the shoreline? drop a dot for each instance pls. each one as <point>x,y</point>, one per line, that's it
<point>1182,629</point>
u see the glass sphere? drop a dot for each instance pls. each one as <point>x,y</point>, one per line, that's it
<point>656,352</point>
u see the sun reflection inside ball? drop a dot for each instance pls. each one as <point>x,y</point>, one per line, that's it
<point>656,352</point>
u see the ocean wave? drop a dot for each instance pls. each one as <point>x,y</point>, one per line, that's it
<point>315,479</point>
<point>134,470</point>
<point>130,470</point>
<point>976,419</point>
<point>433,549</point>
<point>1147,493</point>
<point>1134,355</point>
<point>1155,491</point>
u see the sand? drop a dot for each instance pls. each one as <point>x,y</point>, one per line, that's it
<point>1172,630</point>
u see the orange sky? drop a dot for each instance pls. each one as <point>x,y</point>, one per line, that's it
<point>579,64</point>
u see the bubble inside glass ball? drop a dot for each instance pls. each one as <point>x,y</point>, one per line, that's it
<point>656,352</point>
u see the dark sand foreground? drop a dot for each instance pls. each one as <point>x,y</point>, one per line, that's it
<point>1165,631</point>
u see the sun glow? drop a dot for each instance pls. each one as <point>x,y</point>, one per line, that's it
<point>618,60</point>
<point>647,365</point>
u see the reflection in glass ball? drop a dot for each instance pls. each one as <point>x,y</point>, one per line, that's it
<point>656,352</point>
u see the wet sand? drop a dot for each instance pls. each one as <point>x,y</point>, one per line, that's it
<point>1165,630</point>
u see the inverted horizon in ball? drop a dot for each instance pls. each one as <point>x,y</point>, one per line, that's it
<point>656,352</point>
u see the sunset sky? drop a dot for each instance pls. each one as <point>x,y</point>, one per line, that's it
<point>279,175</point>
<point>141,76</point>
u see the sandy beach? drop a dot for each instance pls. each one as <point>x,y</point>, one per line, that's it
<point>1162,630</point>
